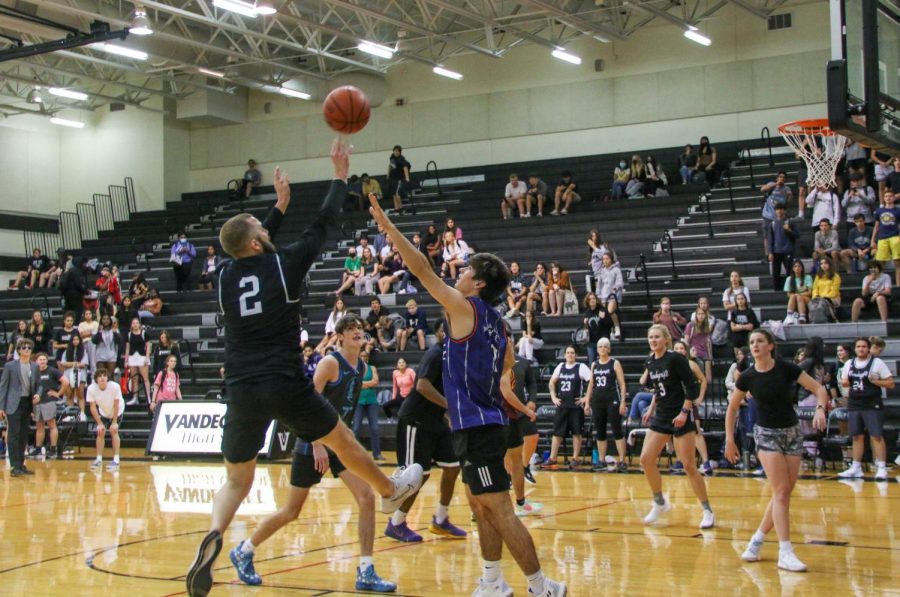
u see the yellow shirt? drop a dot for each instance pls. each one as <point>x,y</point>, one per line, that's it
<point>371,187</point>
<point>823,287</point>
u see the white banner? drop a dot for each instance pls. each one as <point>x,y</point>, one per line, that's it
<point>190,489</point>
<point>192,427</point>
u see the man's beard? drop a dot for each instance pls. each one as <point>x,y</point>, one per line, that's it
<point>268,246</point>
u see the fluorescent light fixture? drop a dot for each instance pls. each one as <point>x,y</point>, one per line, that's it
<point>265,8</point>
<point>440,70</point>
<point>211,73</point>
<point>293,93</point>
<point>242,8</point>
<point>120,51</point>
<point>34,96</point>
<point>376,50</point>
<point>70,123</point>
<point>563,55</point>
<point>140,23</point>
<point>695,36</point>
<point>75,95</point>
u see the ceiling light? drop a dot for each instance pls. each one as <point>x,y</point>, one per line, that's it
<point>242,8</point>
<point>120,51</point>
<point>211,73</point>
<point>70,123</point>
<point>34,96</point>
<point>376,49</point>
<point>265,8</point>
<point>140,23</point>
<point>293,93</point>
<point>563,55</point>
<point>440,70</point>
<point>75,95</point>
<point>695,36</point>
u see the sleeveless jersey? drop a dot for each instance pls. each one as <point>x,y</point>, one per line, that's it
<point>343,394</point>
<point>673,383</point>
<point>864,395</point>
<point>472,367</point>
<point>570,386</point>
<point>606,385</point>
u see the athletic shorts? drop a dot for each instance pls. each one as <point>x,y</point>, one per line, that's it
<point>871,420</point>
<point>425,444</point>
<point>481,451</point>
<point>107,422</point>
<point>45,411</point>
<point>868,305</point>
<point>568,420</point>
<point>253,405</point>
<point>527,426</point>
<point>787,441</point>
<point>888,249</point>
<point>514,437</point>
<point>303,469</point>
<point>605,411</point>
<point>664,425</point>
<point>400,187</point>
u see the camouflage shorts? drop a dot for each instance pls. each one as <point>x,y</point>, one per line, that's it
<point>788,441</point>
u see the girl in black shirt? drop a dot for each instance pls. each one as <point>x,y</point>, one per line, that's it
<point>742,320</point>
<point>165,347</point>
<point>598,323</point>
<point>779,441</point>
<point>137,357</point>
<point>40,332</point>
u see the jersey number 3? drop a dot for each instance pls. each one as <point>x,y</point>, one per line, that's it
<point>249,300</point>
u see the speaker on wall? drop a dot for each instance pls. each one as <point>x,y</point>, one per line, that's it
<point>598,65</point>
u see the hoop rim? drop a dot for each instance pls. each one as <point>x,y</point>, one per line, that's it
<point>811,126</point>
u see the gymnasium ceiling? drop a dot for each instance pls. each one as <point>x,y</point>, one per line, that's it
<point>305,40</point>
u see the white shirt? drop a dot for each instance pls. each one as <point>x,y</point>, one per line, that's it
<point>878,371</point>
<point>105,398</point>
<point>730,293</point>
<point>517,190</point>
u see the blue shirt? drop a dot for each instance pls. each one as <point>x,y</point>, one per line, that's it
<point>472,367</point>
<point>887,221</point>
<point>777,196</point>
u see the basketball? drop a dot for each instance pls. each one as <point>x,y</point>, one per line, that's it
<point>346,110</point>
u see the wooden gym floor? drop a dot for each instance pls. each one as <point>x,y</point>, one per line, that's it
<point>70,531</point>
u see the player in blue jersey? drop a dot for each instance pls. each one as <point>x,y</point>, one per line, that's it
<point>477,358</point>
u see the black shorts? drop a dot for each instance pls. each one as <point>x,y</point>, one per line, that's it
<point>514,436</point>
<point>304,473</point>
<point>603,411</point>
<point>568,420</point>
<point>663,424</point>
<point>107,422</point>
<point>871,420</point>
<point>254,404</point>
<point>400,187</point>
<point>481,452</point>
<point>425,444</point>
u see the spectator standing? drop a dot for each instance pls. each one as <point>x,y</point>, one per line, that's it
<point>355,198</point>
<point>162,350</point>
<point>698,335</point>
<point>73,288</point>
<point>672,320</point>
<point>208,272</point>
<point>781,235</point>
<point>536,195</point>
<point>137,349</point>
<point>107,342</point>
<point>568,392</point>
<point>610,289</point>
<point>886,234</point>
<point>167,384</point>
<point>598,323</point>
<point>39,332</point>
<point>252,179</point>
<point>883,169</point>
<point>368,407</point>
<point>876,293</point>
<point>566,194</point>
<point>798,288</point>
<point>18,393</point>
<point>776,193</point>
<point>107,409</point>
<point>398,177</point>
<point>51,386</point>
<point>621,176</point>
<point>62,336</point>
<point>893,180</point>
<point>76,366</point>
<point>742,320</point>
<point>826,205</point>
<point>182,258</point>
<point>514,196</point>
<point>859,249</point>
<point>35,266</point>
<point>403,382</point>
<point>687,164</point>
<point>859,199</point>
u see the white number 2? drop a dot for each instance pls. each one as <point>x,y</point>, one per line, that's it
<point>250,305</point>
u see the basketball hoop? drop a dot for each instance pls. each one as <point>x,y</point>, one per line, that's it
<point>819,146</point>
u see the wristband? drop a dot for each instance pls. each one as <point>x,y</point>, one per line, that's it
<point>819,406</point>
<point>686,411</point>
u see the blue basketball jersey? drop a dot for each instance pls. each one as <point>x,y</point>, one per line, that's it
<point>472,367</point>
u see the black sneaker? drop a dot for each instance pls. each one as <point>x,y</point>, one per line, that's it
<point>199,578</point>
<point>52,453</point>
<point>528,476</point>
<point>34,453</point>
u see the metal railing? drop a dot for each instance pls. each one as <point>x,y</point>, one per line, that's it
<point>87,220</point>
<point>186,349</point>
<point>70,229</point>
<point>437,178</point>
<point>141,247</point>
<point>47,242</point>
<point>641,275</point>
<point>119,203</point>
<point>767,137</point>
<point>103,205</point>
<point>727,175</point>
<point>668,246</point>
<point>704,201</point>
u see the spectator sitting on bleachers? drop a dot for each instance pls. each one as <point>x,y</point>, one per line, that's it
<point>310,359</point>
<point>162,350</point>
<point>76,366</point>
<point>687,164</point>
<point>798,287</point>
<point>672,320</point>
<point>35,265</point>
<point>167,383</point>
<point>369,272</point>
<point>637,175</point>
<point>558,283</point>
<point>566,194</point>
<point>152,306</point>
<point>859,199</point>
<point>742,320</point>
<point>208,269</point>
<point>370,326</point>
<point>252,179</point>
<point>736,286</point>
<point>20,332</point>
<point>597,247</point>
<point>597,322</point>
<point>393,271</point>
<point>883,168</point>
<point>826,206</point>
<point>516,291</point>
<point>536,195</point>
<point>886,234</point>
<point>859,249</point>
<point>450,226</point>
<point>355,198</point>
<point>40,332</point>
<point>370,186</point>
<point>876,293</point>
<point>707,163</point>
<point>403,382</point>
<point>610,289</point>
<point>656,184</point>
<point>514,196</point>
<point>379,241</point>
<point>138,288</point>
<point>456,255</point>
<point>827,285</point>
<point>537,289</point>
<point>337,313</point>
<point>107,343</point>
<point>531,339</point>
<point>387,333</point>
<point>415,325</point>
<point>387,249</point>
<point>568,392</point>
<point>826,244</point>
<point>352,271</point>
<point>50,278</point>
<point>433,245</point>
<point>621,176</point>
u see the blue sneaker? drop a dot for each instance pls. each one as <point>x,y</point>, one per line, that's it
<point>446,529</point>
<point>677,468</point>
<point>402,532</point>
<point>368,580</point>
<point>243,563</point>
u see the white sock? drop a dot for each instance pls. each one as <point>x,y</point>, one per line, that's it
<point>536,582</point>
<point>492,571</point>
<point>857,464</point>
<point>785,547</point>
<point>758,537</point>
<point>441,513</point>
<point>99,459</point>
<point>398,518</point>
<point>116,459</point>
<point>880,464</point>
<point>247,546</point>
<point>364,562</point>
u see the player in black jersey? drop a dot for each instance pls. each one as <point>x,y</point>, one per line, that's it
<point>671,411</point>
<point>608,402</point>
<point>339,379</point>
<point>259,296</point>
<point>525,388</point>
<point>779,441</point>
<point>568,386</point>
<point>522,419</point>
<point>423,437</point>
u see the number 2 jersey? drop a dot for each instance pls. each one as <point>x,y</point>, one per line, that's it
<point>673,382</point>
<point>259,297</point>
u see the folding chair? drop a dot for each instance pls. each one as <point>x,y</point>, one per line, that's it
<point>836,440</point>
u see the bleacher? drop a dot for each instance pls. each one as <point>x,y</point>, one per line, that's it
<point>682,246</point>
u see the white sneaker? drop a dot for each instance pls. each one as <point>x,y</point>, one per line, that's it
<point>854,472</point>
<point>407,481</point>
<point>494,589</point>
<point>709,520</point>
<point>552,588</point>
<point>881,473</point>
<point>529,508</point>
<point>656,511</point>
<point>897,460</point>
<point>82,417</point>
<point>788,560</point>
<point>751,554</point>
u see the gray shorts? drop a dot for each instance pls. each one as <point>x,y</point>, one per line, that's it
<point>871,420</point>
<point>787,441</point>
<point>45,411</point>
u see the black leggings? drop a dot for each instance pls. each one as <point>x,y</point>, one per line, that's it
<point>603,411</point>
<point>391,406</point>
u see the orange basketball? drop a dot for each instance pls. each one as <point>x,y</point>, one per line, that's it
<point>346,110</point>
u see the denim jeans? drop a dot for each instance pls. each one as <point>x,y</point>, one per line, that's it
<point>371,412</point>
<point>618,190</point>
<point>686,174</point>
<point>640,403</point>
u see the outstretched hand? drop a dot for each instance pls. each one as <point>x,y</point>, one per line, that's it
<point>282,188</point>
<point>340,158</point>
<point>375,209</point>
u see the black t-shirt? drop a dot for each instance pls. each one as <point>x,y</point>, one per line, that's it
<point>373,317</point>
<point>606,384</point>
<point>137,343</point>
<point>524,380</point>
<point>416,321</point>
<point>260,298</point>
<point>40,264</point>
<point>416,408</point>
<point>50,379</point>
<point>773,392</point>
<point>63,336</point>
<point>599,324</point>
<point>565,184</point>
<point>673,382</point>
<point>570,386</point>
<point>397,164</point>
<point>161,354</point>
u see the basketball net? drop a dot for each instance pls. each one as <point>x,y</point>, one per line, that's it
<point>819,146</point>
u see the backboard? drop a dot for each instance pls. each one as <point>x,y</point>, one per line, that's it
<point>863,81</point>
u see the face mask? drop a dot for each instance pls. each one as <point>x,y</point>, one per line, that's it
<point>622,164</point>
<point>184,240</point>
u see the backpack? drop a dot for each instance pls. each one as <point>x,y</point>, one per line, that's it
<point>820,310</point>
<point>719,334</point>
<point>580,337</point>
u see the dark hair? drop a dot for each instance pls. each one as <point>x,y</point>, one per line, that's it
<point>68,314</point>
<point>573,347</point>
<point>101,372</point>
<point>364,174</point>
<point>830,274</point>
<point>815,350</point>
<point>348,321</point>
<point>439,325</point>
<point>877,265</point>
<point>24,343</point>
<point>74,353</point>
<point>781,173</point>
<point>793,279</point>
<point>490,269</point>
<point>398,148</point>
<point>770,339</point>
<point>862,339</point>
<point>566,173</point>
